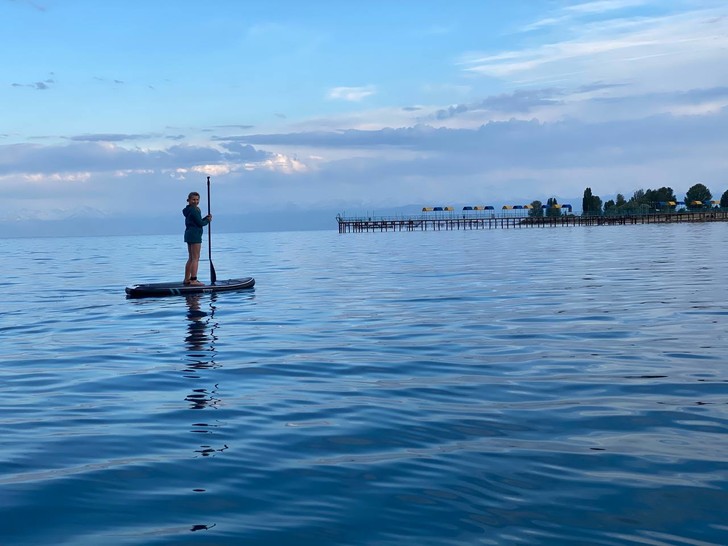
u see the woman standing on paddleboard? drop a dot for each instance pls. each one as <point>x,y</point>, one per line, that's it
<point>194,222</point>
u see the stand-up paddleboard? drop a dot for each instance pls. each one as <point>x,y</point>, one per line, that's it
<point>181,289</point>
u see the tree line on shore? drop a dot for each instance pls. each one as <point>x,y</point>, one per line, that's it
<point>698,197</point>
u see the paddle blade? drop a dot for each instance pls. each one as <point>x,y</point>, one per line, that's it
<point>213,275</point>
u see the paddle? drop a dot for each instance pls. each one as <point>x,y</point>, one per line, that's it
<point>213,276</point>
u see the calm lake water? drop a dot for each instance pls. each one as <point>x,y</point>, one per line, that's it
<point>562,386</point>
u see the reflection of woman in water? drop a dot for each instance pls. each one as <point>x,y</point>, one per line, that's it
<point>199,354</point>
<point>197,335</point>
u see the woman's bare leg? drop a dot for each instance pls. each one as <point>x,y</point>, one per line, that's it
<point>193,261</point>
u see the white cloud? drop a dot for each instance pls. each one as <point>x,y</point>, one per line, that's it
<point>351,94</point>
<point>211,170</point>
<point>648,52</point>
<point>602,6</point>
<point>284,164</point>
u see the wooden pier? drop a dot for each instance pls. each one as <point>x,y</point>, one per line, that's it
<point>454,221</point>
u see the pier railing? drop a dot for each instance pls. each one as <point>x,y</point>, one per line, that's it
<point>469,220</point>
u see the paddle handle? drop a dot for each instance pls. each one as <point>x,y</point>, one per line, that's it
<point>213,275</point>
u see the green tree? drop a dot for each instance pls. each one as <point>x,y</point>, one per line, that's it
<point>698,192</point>
<point>724,200</point>
<point>586,202</point>
<point>537,210</point>
<point>639,203</point>
<point>658,199</point>
<point>615,208</point>
<point>552,209</point>
<point>637,200</point>
<point>591,204</point>
<point>597,204</point>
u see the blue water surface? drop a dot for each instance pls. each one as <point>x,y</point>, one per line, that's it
<point>525,386</point>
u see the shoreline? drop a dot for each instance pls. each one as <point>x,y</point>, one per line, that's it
<point>481,220</point>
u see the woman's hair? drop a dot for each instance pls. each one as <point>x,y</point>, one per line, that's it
<point>192,194</point>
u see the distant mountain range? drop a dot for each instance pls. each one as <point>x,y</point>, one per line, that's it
<point>87,221</point>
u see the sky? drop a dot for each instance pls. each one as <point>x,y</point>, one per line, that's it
<point>116,110</point>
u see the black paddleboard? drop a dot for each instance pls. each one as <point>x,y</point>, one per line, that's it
<point>181,289</point>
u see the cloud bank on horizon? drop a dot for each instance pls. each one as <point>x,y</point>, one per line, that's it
<point>126,108</point>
